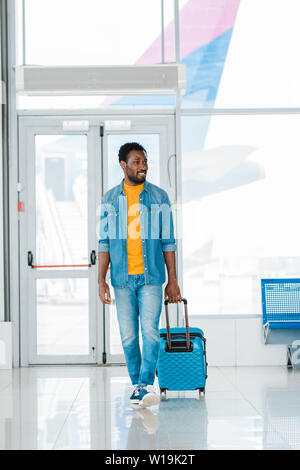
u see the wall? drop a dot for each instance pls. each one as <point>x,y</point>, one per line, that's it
<point>238,342</point>
<point>5,345</point>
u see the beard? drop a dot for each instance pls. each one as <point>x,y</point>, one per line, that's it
<point>134,179</point>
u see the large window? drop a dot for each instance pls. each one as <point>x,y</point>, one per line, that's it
<point>91,32</point>
<point>240,208</point>
<point>95,32</point>
<point>239,172</point>
<point>240,53</point>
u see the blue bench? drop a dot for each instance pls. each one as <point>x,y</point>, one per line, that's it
<point>281,310</point>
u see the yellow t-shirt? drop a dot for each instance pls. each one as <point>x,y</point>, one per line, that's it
<point>134,242</point>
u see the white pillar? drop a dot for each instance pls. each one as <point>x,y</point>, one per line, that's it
<point>1,198</point>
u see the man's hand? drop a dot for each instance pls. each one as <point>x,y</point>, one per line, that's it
<point>104,293</point>
<point>172,292</point>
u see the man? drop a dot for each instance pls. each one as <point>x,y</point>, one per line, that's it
<point>137,239</point>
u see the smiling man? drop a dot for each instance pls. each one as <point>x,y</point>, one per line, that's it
<point>137,239</point>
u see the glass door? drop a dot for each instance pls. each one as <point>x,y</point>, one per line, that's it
<point>66,164</point>
<point>157,136</point>
<point>57,203</point>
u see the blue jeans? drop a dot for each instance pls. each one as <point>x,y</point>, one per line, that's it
<point>144,301</point>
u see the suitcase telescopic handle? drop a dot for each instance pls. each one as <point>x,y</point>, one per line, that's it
<point>187,328</point>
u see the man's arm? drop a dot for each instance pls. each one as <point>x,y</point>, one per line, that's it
<point>103,262</point>
<point>168,242</point>
<point>104,257</point>
<point>172,290</point>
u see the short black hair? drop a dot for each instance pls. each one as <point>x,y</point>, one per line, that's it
<point>126,148</point>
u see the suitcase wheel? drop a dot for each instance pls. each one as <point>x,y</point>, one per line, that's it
<point>201,391</point>
<point>163,393</point>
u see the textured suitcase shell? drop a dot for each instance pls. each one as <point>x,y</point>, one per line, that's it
<point>182,370</point>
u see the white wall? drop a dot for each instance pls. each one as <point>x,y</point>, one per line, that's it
<point>5,345</point>
<point>238,342</point>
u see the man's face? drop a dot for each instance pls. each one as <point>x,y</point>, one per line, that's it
<point>136,167</point>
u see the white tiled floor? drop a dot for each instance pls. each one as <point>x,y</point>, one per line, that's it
<point>88,408</point>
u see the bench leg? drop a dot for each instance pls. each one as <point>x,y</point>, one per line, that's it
<point>289,356</point>
<point>266,333</point>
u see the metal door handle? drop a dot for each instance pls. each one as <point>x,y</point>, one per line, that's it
<point>93,257</point>
<point>30,258</point>
<point>168,167</point>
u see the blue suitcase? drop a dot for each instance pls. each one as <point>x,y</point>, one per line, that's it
<point>182,359</point>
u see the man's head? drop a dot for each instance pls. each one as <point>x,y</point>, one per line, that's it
<point>133,160</point>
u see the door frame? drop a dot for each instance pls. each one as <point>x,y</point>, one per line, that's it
<point>28,129</point>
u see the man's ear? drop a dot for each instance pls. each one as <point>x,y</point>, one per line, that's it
<point>123,164</point>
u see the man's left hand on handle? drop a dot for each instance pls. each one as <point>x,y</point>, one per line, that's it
<point>172,292</point>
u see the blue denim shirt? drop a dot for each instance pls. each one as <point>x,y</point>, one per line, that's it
<point>157,232</point>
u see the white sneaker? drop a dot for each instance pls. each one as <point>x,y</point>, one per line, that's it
<point>147,396</point>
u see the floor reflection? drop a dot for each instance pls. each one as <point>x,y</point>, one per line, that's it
<point>178,423</point>
<point>89,408</point>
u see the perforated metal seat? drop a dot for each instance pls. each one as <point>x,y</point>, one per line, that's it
<point>275,325</point>
<point>281,310</point>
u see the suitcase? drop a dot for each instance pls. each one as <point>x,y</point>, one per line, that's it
<point>182,358</point>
